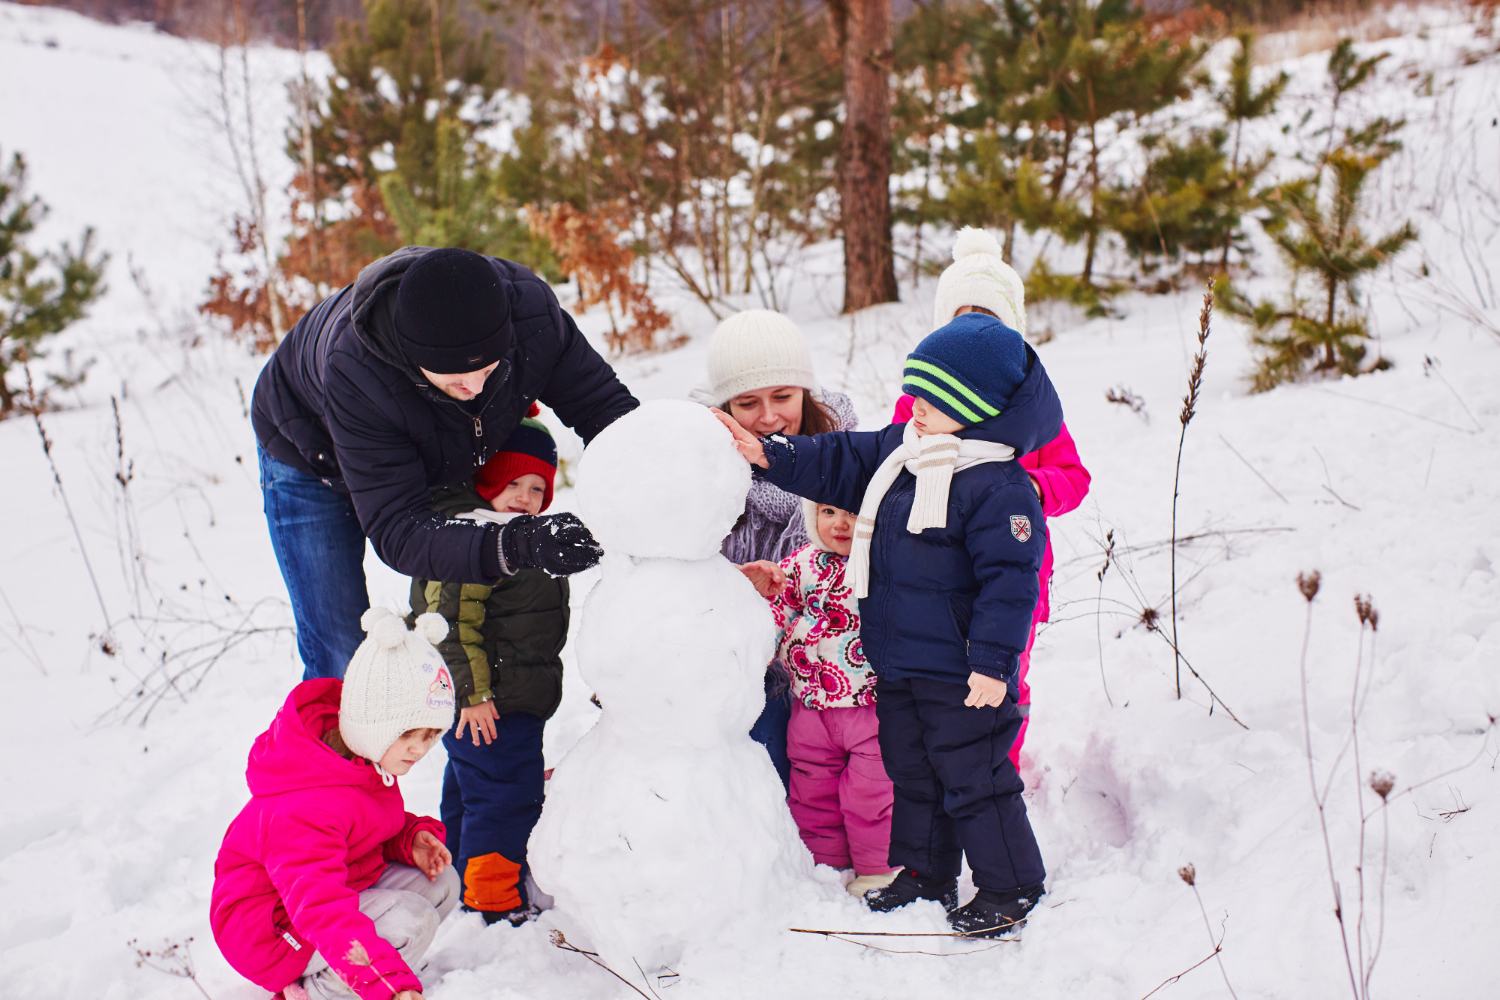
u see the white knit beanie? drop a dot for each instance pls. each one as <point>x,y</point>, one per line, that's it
<point>810,517</point>
<point>756,349</point>
<point>396,681</point>
<point>980,277</point>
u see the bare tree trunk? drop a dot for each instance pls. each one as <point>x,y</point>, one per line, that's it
<point>864,34</point>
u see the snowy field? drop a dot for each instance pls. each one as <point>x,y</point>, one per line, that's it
<point>125,742</point>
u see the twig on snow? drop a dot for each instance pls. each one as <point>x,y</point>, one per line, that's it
<point>1242,458</point>
<point>558,941</point>
<point>1172,979</point>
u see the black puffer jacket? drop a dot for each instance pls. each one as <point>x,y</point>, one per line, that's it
<point>338,400</point>
<point>504,641</point>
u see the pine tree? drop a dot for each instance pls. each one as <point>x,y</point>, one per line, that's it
<point>1242,103</point>
<point>931,86</point>
<point>465,208</point>
<point>1052,79</point>
<point>398,75</point>
<point>1187,202</point>
<point>1008,168</point>
<point>1321,237</point>
<point>1315,222</point>
<point>41,293</point>
<point>1116,67</point>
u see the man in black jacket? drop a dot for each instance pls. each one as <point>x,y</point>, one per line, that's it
<point>409,379</point>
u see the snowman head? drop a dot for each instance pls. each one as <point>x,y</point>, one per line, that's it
<point>663,482</point>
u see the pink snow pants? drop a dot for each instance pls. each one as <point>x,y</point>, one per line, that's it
<point>840,795</point>
<point>1024,701</point>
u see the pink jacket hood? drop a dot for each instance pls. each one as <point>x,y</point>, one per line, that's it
<point>291,755</point>
<point>318,830</point>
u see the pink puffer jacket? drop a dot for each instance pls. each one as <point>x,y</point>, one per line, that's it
<point>318,830</point>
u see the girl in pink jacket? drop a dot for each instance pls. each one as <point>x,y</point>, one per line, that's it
<point>839,795</point>
<point>325,884</point>
<point>979,280</point>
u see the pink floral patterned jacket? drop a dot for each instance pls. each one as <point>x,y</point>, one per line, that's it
<point>817,618</point>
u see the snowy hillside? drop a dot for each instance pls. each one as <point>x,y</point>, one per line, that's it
<point>125,746</point>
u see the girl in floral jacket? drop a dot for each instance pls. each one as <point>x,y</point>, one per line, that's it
<point>840,795</point>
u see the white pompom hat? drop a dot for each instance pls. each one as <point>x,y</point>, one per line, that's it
<point>396,681</point>
<point>756,349</point>
<point>979,276</point>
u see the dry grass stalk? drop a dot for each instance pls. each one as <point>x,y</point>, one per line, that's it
<point>1189,409</point>
<point>1309,584</point>
<point>559,941</point>
<point>34,405</point>
<point>1172,979</point>
<point>1189,874</point>
<point>175,958</point>
<point>1122,396</point>
<point>1380,782</point>
<point>1109,554</point>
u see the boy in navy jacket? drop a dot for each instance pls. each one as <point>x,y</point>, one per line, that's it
<point>945,562</point>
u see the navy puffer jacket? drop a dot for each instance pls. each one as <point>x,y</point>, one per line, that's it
<point>339,400</point>
<point>950,600</point>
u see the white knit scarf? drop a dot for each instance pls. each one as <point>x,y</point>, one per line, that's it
<point>933,459</point>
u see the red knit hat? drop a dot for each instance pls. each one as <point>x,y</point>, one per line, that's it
<point>529,449</point>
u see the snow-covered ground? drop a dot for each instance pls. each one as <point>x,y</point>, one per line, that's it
<point>109,820</point>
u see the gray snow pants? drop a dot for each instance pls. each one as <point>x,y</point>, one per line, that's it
<point>406,909</point>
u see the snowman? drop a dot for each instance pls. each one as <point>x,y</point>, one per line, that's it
<point>666,824</point>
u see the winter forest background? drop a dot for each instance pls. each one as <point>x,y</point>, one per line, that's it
<point>1263,761</point>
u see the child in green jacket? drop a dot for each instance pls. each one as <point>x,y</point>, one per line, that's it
<point>504,650</point>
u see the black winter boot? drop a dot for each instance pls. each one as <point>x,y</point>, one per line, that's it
<point>515,918</point>
<point>909,887</point>
<point>995,914</point>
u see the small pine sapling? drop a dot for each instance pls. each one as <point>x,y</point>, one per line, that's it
<point>42,292</point>
<point>1315,222</point>
<point>1242,103</point>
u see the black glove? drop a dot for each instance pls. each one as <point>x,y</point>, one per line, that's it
<point>560,544</point>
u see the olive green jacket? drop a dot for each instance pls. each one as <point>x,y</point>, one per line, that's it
<point>505,640</point>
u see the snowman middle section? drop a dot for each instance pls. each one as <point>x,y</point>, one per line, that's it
<point>666,823</point>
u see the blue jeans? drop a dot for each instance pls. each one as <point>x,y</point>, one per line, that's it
<point>321,551</point>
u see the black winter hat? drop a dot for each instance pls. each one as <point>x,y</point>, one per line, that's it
<point>452,312</point>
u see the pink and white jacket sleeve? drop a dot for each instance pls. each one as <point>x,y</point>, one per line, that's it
<point>786,606</point>
<point>305,862</point>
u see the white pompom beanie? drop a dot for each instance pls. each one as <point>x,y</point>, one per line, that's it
<point>756,349</point>
<point>979,276</point>
<point>396,681</point>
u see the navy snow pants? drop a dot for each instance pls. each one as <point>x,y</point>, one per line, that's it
<point>957,793</point>
<point>492,797</point>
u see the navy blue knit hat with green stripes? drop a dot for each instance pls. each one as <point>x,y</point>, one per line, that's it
<point>968,369</point>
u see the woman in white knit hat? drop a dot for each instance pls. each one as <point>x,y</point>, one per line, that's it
<point>760,372</point>
<point>325,884</point>
<point>979,280</point>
